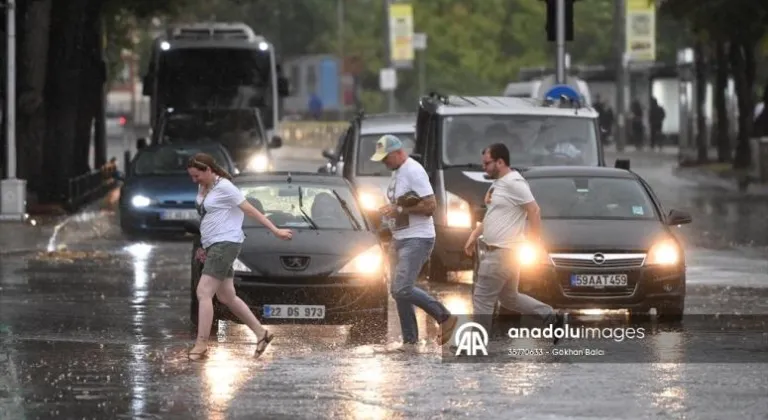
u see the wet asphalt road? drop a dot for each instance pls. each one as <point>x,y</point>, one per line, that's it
<point>101,331</point>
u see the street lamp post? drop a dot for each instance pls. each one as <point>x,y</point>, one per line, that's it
<point>340,35</point>
<point>560,61</point>
<point>14,191</point>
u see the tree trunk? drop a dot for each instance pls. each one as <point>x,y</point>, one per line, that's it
<point>700,84</point>
<point>721,107</point>
<point>91,91</point>
<point>31,81</point>
<point>63,94</point>
<point>743,65</point>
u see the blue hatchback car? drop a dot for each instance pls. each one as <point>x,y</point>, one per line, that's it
<point>158,195</point>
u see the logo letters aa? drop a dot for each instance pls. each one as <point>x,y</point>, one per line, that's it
<point>471,338</point>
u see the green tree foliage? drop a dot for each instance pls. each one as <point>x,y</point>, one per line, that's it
<point>474,46</point>
<point>741,25</point>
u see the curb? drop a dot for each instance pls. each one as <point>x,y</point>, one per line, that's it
<point>20,251</point>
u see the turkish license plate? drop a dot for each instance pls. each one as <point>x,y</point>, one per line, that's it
<point>598,281</point>
<point>294,311</point>
<point>179,215</point>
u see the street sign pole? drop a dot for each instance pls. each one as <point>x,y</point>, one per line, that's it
<point>387,34</point>
<point>14,191</point>
<point>619,19</point>
<point>420,45</point>
<point>388,83</point>
<point>560,64</point>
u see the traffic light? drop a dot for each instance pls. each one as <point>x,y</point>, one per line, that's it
<point>552,20</point>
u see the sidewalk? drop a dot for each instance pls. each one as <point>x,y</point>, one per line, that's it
<point>24,237</point>
<point>37,232</point>
<point>711,175</point>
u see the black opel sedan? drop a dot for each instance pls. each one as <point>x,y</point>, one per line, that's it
<point>332,271</point>
<point>608,243</point>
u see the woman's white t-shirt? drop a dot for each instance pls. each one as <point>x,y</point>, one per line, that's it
<point>223,218</point>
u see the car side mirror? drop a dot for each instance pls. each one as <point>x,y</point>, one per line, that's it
<point>283,86</point>
<point>141,143</point>
<point>622,164</point>
<point>276,142</point>
<point>328,154</point>
<point>418,158</point>
<point>479,213</point>
<point>192,227</point>
<point>678,217</point>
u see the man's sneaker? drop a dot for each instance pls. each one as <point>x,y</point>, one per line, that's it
<point>410,348</point>
<point>560,320</point>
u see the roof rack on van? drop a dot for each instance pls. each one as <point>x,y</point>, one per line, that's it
<point>440,97</point>
<point>211,31</point>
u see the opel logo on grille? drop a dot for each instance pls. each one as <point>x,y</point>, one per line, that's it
<point>598,258</point>
<point>295,263</point>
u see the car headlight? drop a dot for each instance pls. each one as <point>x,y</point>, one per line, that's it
<point>458,212</point>
<point>371,200</point>
<point>259,163</point>
<point>663,253</point>
<point>140,201</point>
<point>529,254</point>
<point>368,262</point>
<point>239,266</point>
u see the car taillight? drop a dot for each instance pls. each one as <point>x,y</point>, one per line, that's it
<point>123,120</point>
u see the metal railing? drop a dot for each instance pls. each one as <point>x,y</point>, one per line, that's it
<point>90,186</point>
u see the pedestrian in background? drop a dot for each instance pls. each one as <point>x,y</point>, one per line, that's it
<point>413,239</point>
<point>222,208</point>
<point>656,121</point>
<point>509,203</point>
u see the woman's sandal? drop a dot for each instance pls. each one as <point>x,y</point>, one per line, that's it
<point>262,344</point>
<point>198,355</point>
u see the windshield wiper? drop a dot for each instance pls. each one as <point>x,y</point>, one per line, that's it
<point>304,213</point>
<point>346,209</point>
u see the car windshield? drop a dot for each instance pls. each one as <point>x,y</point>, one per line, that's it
<point>367,167</point>
<point>533,140</point>
<point>172,160</point>
<point>232,128</point>
<point>280,202</point>
<point>592,198</point>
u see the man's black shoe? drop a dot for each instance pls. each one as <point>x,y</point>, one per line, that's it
<point>560,321</point>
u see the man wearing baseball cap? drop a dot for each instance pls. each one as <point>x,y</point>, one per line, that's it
<point>413,239</point>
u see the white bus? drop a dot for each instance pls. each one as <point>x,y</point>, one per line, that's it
<point>215,65</point>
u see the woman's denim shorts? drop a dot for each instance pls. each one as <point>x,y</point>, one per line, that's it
<point>219,258</point>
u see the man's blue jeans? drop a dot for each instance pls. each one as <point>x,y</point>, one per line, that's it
<point>406,257</point>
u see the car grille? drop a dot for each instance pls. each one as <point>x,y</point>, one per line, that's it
<point>597,260</point>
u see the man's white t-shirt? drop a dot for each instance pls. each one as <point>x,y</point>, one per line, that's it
<point>505,217</point>
<point>410,176</point>
<point>223,218</point>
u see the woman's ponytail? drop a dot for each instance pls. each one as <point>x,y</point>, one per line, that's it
<point>218,170</point>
